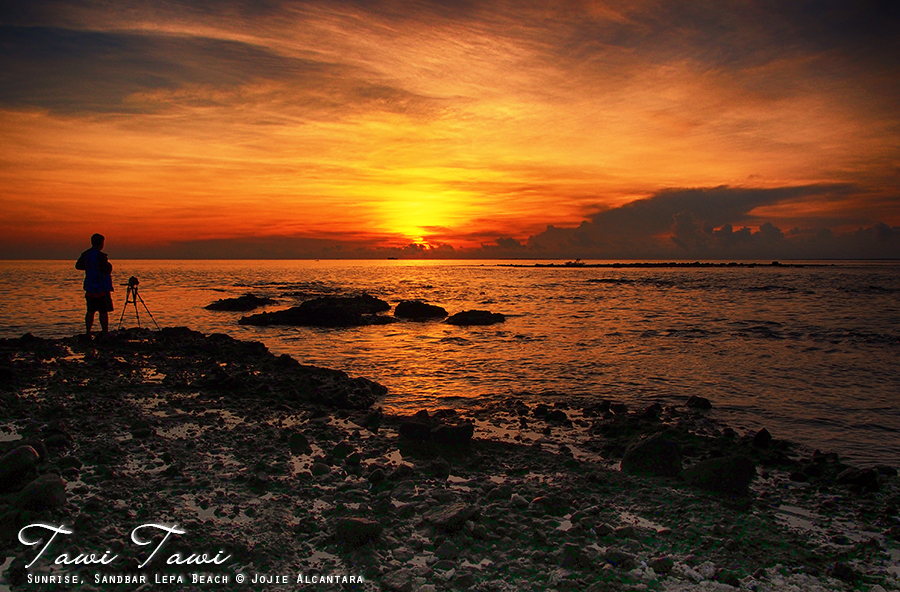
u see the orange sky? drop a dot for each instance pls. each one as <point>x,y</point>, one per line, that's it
<point>376,125</point>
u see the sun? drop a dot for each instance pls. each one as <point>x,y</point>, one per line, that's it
<point>416,215</point>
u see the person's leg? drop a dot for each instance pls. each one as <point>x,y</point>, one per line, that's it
<point>88,321</point>
<point>104,321</point>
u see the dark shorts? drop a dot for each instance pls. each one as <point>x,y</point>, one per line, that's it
<point>99,303</point>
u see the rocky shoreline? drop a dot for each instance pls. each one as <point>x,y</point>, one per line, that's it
<point>292,470</point>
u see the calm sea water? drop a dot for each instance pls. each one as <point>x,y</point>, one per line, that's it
<point>810,353</point>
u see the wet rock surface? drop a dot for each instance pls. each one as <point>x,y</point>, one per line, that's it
<point>476,317</point>
<point>416,310</point>
<point>243,303</point>
<point>327,311</point>
<point>289,469</point>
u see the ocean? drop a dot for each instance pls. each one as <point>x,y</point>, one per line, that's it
<point>810,352</point>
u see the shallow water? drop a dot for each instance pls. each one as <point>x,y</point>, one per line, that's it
<point>808,352</point>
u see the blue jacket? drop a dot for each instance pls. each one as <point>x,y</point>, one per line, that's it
<point>97,271</point>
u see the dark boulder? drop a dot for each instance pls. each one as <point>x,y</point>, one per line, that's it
<point>415,431</point>
<point>416,310</point>
<point>762,438</point>
<point>17,462</point>
<point>859,479</point>
<point>476,317</point>
<point>240,304</point>
<point>656,455</point>
<point>299,443</point>
<point>458,435</point>
<point>702,403</point>
<point>46,492</point>
<point>329,311</point>
<point>729,475</point>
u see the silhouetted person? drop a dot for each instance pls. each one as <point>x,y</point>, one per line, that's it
<point>98,285</point>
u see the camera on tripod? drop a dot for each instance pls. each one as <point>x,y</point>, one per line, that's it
<point>132,297</point>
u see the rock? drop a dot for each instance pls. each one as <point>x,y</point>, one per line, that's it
<point>318,469</point>
<point>519,501</point>
<point>416,310</point>
<point>453,435</point>
<point>415,431</point>
<point>400,580</point>
<point>240,304</point>
<point>377,476</point>
<point>620,559</point>
<point>476,317</point>
<point>342,450</point>
<point>402,472</point>
<point>730,474</point>
<point>422,430</point>
<point>626,532</point>
<point>355,532</point>
<point>464,581</point>
<point>762,439</point>
<point>844,572</point>
<point>452,517</point>
<point>729,578</point>
<point>661,565</point>
<point>574,556</point>
<point>862,479</point>
<point>886,470</point>
<point>17,462</point>
<point>439,469</point>
<point>59,440</point>
<point>141,429</point>
<point>372,420</point>
<point>619,408</point>
<point>799,476</point>
<point>329,311</point>
<point>298,443</point>
<point>557,416</point>
<point>695,402</point>
<point>46,492</point>
<point>652,412</point>
<point>656,455</point>
<point>447,550</point>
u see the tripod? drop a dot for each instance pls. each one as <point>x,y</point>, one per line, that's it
<point>132,297</point>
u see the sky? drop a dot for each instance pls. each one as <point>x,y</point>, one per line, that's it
<point>459,129</point>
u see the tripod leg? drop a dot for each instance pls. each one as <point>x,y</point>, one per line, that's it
<point>124,308</point>
<point>150,313</point>
<point>134,301</point>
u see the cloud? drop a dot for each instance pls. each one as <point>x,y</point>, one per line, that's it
<point>700,222</point>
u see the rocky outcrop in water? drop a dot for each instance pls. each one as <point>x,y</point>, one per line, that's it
<point>476,317</point>
<point>243,303</point>
<point>328,311</point>
<point>416,310</point>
